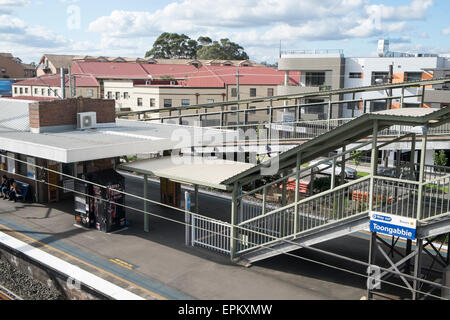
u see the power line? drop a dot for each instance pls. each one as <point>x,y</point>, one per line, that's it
<point>230,237</point>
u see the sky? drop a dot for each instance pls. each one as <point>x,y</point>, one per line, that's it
<point>31,28</point>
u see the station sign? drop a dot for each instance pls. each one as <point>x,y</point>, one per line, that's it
<point>393,225</point>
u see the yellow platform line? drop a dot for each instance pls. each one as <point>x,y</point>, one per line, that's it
<point>155,295</point>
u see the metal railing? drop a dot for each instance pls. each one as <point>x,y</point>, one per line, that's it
<point>390,195</point>
<point>211,234</point>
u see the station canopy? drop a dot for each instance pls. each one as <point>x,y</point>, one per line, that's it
<point>209,172</point>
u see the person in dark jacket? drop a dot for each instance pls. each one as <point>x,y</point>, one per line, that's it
<point>5,187</point>
<point>15,192</point>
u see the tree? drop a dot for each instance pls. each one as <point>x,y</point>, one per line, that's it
<point>440,159</point>
<point>356,156</point>
<point>176,46</point>
<point>223,50</point>
<point>204,41</point>
<point>173,46</point>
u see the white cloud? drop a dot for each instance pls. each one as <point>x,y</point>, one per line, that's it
<point>7,6</point>
<point>446,31</point>
<point>264,22</point>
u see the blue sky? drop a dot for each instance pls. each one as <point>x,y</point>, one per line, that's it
<point>30,28</point>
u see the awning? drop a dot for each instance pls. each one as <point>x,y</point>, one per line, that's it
<point>209,172</point>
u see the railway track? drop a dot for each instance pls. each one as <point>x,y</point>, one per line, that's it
<point>6,294</point>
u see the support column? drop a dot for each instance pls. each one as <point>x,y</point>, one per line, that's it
<point>297,192</point>
<point>234,212</point>
<point>264,203</point>
<point>196,200</point>
<point>421,173</point>
<point>372,261</point>
<point>412,160</point>
<point>417,267</point>
<point>344,148</point>
<point>283,191</point>
<point>402,99</point>
<point>146,216</point>
<point>333,175</point>
<point>329,113</point>
<point>374,163</point>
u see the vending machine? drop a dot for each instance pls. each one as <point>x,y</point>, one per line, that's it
<point>103,208</point>
<point>108,200</point>
<point>84,215</point>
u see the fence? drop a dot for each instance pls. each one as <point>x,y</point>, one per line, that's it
<point>210,234</point>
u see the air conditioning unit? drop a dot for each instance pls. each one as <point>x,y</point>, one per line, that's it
<point>86,120</point>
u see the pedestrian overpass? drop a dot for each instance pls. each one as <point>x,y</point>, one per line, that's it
<point>260,229</point>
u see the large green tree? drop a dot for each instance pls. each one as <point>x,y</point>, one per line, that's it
<point>176,46</point>
<point>173,45</point>
<point>223,50</point>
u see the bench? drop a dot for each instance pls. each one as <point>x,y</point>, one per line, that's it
<point>24,191</point>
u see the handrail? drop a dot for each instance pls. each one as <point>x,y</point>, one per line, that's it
<point>306,169</point>
<point>308,199</point>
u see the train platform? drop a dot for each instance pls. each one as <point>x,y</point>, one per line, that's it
<point>158,265</point>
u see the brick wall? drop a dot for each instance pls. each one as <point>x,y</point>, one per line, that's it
<point>64,112</point>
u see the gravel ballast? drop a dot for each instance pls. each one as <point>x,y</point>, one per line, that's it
<point>24,285</point>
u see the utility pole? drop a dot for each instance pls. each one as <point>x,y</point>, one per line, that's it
<point>390,80</point>
<point>237,84</point>
<point>70,83</point>
<point>63,83</point>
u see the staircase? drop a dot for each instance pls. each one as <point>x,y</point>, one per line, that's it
<point>342,211</point>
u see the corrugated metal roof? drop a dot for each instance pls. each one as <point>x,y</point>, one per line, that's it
<point>14,114</point>
<point>210,172</point>
<point>128,137</point>
<point>54,80</point>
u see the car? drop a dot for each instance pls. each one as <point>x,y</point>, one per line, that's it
<point>327,168</point>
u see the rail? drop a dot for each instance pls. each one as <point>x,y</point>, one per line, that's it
<point>389,195</point>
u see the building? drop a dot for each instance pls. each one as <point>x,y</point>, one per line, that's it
<point>331,70</point>
<point>52,64</point>
<point>12,67</point>
<point>137,86</point>
<point>52,134</point>
<point>49,86</point>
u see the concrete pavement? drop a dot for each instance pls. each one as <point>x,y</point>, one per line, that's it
<point>163,267</point>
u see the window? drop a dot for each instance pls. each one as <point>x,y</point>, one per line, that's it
<point>117,95</point>
<point>380,78</point>
<point>152,102</point>
<point>378,106</point>
<point>167,103</point>
<point>42,92</point>
<point>15,90</point>
<point>411,105</point>
<point>126,95</point>
<point>252,108</point>
<point>270,92</point>
<point>35,91</point>
<point>185,102</point>
<point>90,93</point>
<point>109,95</point>
<point>49,92</point>
<point>234,92</point>
<point>3,70</point>
<point>413,76</point>
<point>26,90</point>
<point>252,92</point>
<point>314,79</point>
<point>210,101</point>
<point>355,75</point>
<point>139,102</point>
<point>21,90</point>
<point>56,92</point>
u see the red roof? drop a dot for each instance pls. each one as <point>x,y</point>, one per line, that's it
<point>187,75</point>
<point>82,80</point>
<point>87,73</point>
